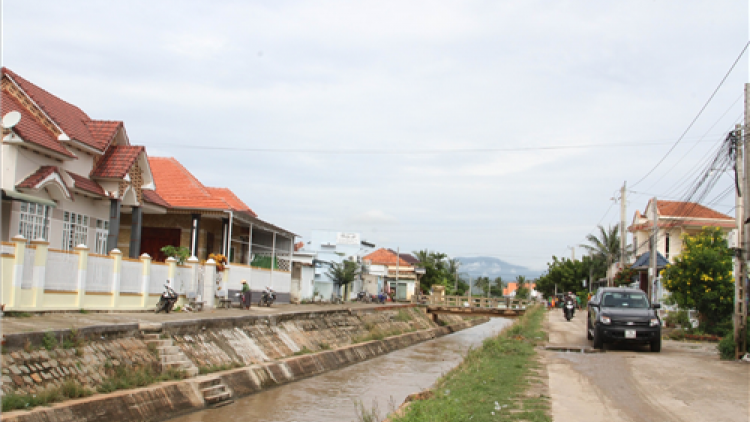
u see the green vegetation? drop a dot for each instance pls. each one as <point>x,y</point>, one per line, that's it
<point>343,274</point>
<point>324,346</point>
<point>17,314</point>
<point>523,291</point>
<point>123,378</point>
<point>49,341</point>
<point>494,287</point>
<point>403,316</point>
<point>303,351</point>
<point>701,278</point>
<point>495,382</point>
<point>440,270</point>
<point>70,389</point>
<point>261,261</point>
<point>727,344</point>
<point>180,253</point>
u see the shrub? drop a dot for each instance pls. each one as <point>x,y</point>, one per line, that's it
<point>49,341</point>
<point>726,345</point>
<point>678,317</point>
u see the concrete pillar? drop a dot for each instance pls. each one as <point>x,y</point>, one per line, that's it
<point>83,264</point>
<point>209,284</point>
<point>135,232</point>
<point>145,279</point>
<point>195,229</point>
<point>15,290</point>
<point>225,244</point>
<point>191,288</point>
<point>438,293</point>
<point>224,282</point>
<point>171,271</point>
<point>40,267</point>
<point>114,224</point>
<point>116,255</point>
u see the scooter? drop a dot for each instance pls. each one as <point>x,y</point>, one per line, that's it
<point>166,300</point>
<point>364,297</point>
<point>267,298</point>
<point>569,309</point>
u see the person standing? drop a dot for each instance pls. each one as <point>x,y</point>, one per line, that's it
<point>247,296</point>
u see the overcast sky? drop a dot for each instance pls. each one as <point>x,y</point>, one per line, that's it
<point>490,128</point>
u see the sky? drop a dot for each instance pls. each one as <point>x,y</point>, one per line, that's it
<point>472,128</point>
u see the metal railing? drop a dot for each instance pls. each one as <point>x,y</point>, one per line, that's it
<point>471,302</point>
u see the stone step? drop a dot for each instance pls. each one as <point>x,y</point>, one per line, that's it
<point>192,371</point>
<point>168,350</point>
<point>153,336</point>
<point>172,358</point>
<point>208,383</point>
<point>213,390</point>
<point>223,403</point>
<point>211,400</point>
<point>160,343</point>
<point>180,364</point>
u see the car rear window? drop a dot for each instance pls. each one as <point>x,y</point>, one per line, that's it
<point>625,300</point>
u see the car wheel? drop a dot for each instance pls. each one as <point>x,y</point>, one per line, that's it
<point>588,330</point>
<point>598,340</point>
<point>656,345</point>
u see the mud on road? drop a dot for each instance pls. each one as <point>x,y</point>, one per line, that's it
<point>685,382</point>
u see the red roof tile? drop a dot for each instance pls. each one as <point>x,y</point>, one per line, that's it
<point>40,174</point>
<point>688,209</point>
<point>117,161</point>
<point>180,188</point>
<point>71,119</point>
<point>154,198</point>
<point>234,202</point>
<point>80,182</point>
<point>29,128</point>
<point>385,257</point>
<point>103,131</point>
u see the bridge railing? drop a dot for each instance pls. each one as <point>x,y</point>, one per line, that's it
<point>471,301</point>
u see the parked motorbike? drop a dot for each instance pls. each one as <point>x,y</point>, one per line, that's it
<point>364,297</point>
<point>569,309</point>
<point>166,300</point>
<point>267,298</point>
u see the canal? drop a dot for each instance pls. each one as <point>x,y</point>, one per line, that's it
<point>383,382</point>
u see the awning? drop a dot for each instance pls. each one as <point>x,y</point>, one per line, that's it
<point>28,198</point>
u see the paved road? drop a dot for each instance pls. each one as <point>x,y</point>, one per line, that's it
<point>685,382</point>
<point>60,321</point>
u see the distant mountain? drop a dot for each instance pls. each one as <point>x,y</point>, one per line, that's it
<point>494,267</point>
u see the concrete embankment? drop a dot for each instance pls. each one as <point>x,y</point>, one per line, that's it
<point>271,351</point>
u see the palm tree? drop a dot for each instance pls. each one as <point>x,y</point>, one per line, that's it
<point>606,247</point>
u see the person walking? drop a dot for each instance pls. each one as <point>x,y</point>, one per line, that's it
<point>247,295</point>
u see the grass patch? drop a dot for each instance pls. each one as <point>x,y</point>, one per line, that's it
<point>17,314</point>
<point>402,316</point>
<point>208,369</point>
<point>123,378</point>
<point>303,351</point>
<point>493,383</point>
<point>324,346</point>
<point>49,341</point>
<point>70,389</point>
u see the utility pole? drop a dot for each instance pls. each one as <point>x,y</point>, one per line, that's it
<point>455,284</point>
<point>740,268</point>
<point>653,251</point>
<point>623,237</point>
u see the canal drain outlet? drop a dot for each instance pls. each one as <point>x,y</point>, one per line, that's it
<point>573,349</point>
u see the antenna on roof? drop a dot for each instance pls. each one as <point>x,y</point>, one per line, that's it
<point>11,119</point>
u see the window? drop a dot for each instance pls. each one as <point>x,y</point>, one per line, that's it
<point>102,231</point>
<point>33,222</point>
<point>666,245</point>
<point>75,230</point>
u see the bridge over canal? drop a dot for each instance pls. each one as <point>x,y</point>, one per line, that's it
<point>472,305</point>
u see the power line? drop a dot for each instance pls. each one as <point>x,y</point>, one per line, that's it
<point>696,117</point>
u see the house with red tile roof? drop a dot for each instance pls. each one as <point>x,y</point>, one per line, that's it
<point>389,271</point>
<point>210,220</point>
<point>674,218</point>
<point>67,178</point>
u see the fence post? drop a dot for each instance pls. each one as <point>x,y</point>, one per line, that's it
<point>19,251</point>
<point>40,268</point>
<point>171,270</point>
<point>209,284</point>
<point>191,289</point>
<point>224,282</point>
<point>116,276</point>
<point>145,278</point>
<point>83,264</point>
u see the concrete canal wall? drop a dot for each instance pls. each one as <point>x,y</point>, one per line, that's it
<point>268,351</point>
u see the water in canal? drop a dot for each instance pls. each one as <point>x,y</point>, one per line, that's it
<point>384,381</point>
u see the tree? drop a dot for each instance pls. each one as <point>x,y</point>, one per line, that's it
<point>522,291</point>
<point>342,274</point>
<point>435,265</point>
<point>701,277</point>
<point>605,249</point>
<point>566,274</point>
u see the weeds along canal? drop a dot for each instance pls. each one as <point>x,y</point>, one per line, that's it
<point>383,382</point>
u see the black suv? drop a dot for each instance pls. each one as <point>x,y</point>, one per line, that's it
<point>623,315</point>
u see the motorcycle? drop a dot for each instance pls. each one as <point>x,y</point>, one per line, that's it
<point>267,297</point>
<point>569,309</point>
<point>364,297</point>
<point>166,300</point>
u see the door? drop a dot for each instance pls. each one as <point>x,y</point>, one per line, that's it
<point>155,238</point>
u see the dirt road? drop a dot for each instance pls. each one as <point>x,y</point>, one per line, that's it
<point>685,382</point>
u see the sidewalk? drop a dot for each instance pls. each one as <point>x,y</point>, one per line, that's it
<point>62,321</point>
